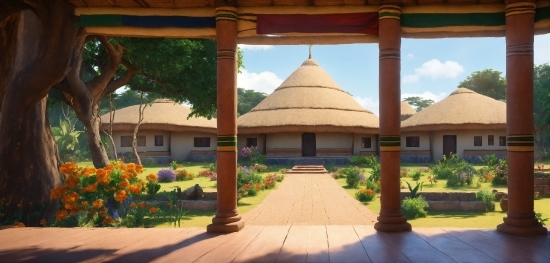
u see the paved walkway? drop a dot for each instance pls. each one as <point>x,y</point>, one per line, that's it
<point>309,199</point>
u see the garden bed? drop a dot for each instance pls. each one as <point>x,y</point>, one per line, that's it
<point>450,201</point>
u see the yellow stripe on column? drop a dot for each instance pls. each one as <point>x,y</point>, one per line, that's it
<point>390,148</point>
<point>227,148</point>
<point>521,148</point>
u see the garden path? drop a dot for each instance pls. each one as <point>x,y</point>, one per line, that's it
<point>309,199</point>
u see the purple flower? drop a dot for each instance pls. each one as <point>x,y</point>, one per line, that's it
<point>213,176</point>
<point>362,177</point>
<point>166,175</point>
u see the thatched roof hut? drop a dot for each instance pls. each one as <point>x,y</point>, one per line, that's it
<point>406,111</point>
<point>462,110</point>
<point>163,114</point>
<point>309,100</point>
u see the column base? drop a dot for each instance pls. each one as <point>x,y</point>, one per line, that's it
<point>522,227</point>
<point>225,224</point>
<point>392,222</point>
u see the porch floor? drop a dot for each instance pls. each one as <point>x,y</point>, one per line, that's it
<point>282,243</point>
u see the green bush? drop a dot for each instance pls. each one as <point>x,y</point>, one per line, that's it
<point>359,159</point>
<point>463,174</point>
<point>487,197</point>
<point>414,207</point>
<point>353,176</point>
<point>365,195</point>
<point>501,173</point>
<point>416,175</point>
<point>373,185</point>
<point>445,167</point>
<point>375,172</point>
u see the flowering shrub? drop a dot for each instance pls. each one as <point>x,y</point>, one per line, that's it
<point>204,173</point>
<point>404,172</point>
<point>365,195</point>
<point>184,175</point>
<point>166,175</point>
<point>252,154</point>
<point>91,197</point>
<point>260,168</point>
<point>501,173</point>
<point>213,176</point>
<point>352,175</point>
<point>338,174</point>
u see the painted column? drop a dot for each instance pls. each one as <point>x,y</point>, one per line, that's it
<point>520,220</point>
<point>390,219</point>
<point>227,218</point>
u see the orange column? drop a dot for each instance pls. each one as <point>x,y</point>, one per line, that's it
<point>390,219</point>
<point>520,220</point>
<point>227,217</point>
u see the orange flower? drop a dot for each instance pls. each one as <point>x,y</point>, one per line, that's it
<point>92,212</point>
<point>139,168</point>
<point>43,222</point>
<point>153,210</point>
<point>74,212</point>
<point>92,188</point>
<point>103,213</point>
<point>69,168</point>
<point>125,176</point>
<point>135,189</point>
<point>18,224</point>
<point>169,204</point>
<point>123,184</point>
<point>69,200</point>
<point>141,205</point>
<point>87,171</point>
<point>121,196</point>
<point>103,176</point>
<point>84,204</point>
<point>97,203</point>
<point>151,178</point>
<point>61,214</point>
<point>247,187</point>
<point>72,181</point>
<point>131,167</point>
<point>108,220</point>
<point>258,187</point>
<point>132,204</point>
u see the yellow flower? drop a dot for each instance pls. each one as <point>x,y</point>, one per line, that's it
<point>153,210</point>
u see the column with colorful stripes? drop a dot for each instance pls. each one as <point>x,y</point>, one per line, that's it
<point>390,219</point>
<point>227,217</point>
<point>520,219</point>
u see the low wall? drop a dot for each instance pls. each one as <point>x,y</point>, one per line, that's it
<point>450,201</point>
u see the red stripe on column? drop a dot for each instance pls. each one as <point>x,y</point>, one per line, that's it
<point>364,23</point>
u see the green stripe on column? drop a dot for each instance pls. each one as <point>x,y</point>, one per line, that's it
<point>227,143</point>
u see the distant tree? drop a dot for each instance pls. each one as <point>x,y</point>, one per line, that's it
<point>542,104</point>
<point>418,102</point>
<point>487,82</point>
<point>248,99</point>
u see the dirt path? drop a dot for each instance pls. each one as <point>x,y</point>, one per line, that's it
<point>309,199</point>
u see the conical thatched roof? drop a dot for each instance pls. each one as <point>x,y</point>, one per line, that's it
<point>308,101</point>
<point>406,111</point>
<point>163,114</point>
<point>462,110</point>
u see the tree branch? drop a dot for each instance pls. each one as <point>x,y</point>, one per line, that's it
<point>117,83</point>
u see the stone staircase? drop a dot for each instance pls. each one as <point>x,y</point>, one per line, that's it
<point>307,169</point>
<point>542,185</point>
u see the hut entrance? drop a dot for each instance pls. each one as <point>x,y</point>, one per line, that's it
<point>309,145</point>
<point>449,145</point>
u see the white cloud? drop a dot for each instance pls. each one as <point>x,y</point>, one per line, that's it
<point>434,69</point>
<point>542,49</point>
<point>255,47</point>
<point>410,56</point>
<point>368,103</point>
<point>265,81</point>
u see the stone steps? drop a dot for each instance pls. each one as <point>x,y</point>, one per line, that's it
<point>542,185</point>
<point>307,169</point>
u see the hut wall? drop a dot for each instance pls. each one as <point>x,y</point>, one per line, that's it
<point>183,143</point>
<point>242,139</point>
<point>334,140</point>
<point>415,153</point>
<point>284,144</point>
<point>358,141</point>
<point>149,141</point>
<point>465,142</point>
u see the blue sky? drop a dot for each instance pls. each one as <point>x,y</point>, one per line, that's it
<point>430,68</point>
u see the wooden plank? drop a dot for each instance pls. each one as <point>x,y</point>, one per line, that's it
<point>414,247</point>
<point>11,235</point>
<point>378,250</point>
<point>500,249</point>
<point>157,242</point>
<point>344,245</point>
<point>295,245</point>
<point>317,248</point>
<point>235,244</point>
<point>266,246</point>
<point>535,244</point>
<point>451,246</point>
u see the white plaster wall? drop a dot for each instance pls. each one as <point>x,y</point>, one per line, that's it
<point>334,140</point>
<point>241,141</point>
<point>284,140</point>
<point>357,143</point>
<point>182,143</point>
<point>424,141</point>
<point>465,141</point>
<point>149,143</point>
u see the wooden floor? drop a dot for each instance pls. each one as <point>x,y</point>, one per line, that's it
<point>282,243</point>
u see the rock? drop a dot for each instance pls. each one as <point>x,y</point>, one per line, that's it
<point>191,193</point>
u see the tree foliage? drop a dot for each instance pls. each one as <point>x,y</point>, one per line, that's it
<point>487,82</point>
<point>418,102</point>
<point>66,138</point>
<point>542,103</point>
<point>248,99</point>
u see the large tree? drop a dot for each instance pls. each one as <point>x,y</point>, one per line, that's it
<point>248,99</point>
<point>37,38</point>
<point>542,104</point>
<point>418,102</point>
<point>488,82</point>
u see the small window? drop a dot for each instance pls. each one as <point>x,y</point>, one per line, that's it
<point>159,140</point>
<point>202,141</point>
<point>501,140</point>
<point>126,141</point>
<point>251,142</point>
<point>413,141</point>
<point>491,140</point>
<point>478,140</point>
<point>366,142</point>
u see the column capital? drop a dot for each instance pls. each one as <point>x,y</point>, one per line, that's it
<point>514,7</point>
<point>389,12</point>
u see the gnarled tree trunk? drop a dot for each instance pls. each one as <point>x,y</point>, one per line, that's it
<point>44,38</point>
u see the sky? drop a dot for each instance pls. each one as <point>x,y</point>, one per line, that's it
<point>430,68</point>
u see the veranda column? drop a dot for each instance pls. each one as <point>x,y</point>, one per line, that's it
<point>227,218</point>
<point>520,220</point>
<point>391,218</point>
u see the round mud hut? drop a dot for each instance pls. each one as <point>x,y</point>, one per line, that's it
<point>406,110</point>
<point>309,115</point>
<point>465,123</point>
<point>165,134</point>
